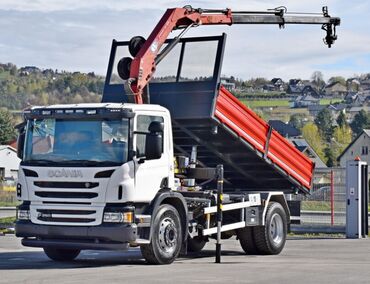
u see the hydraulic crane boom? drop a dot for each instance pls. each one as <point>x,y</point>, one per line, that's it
<point>138,71</point>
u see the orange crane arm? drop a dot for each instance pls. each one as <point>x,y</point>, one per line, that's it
<point>147,53</point>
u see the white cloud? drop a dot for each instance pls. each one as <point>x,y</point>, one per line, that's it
<point>76,35</point>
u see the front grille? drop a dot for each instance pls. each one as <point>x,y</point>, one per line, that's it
<point>69,215</point>
<point>80,195</point>
<point>63,211</point>
<point>66,220</point>
<point>63,184</point>
<point>66,203</point>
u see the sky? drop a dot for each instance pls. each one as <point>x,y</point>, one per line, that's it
<point>76,36</point>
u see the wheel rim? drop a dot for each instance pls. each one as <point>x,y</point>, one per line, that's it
<point>167,236</point>
<point>276,229</point>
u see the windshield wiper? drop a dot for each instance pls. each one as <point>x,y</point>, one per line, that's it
<point>42,162</point>
<point>91,163</point>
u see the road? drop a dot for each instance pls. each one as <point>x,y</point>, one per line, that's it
<point>302,261</point>
<point>6,212</point>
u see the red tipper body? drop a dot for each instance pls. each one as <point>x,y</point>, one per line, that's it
<point>254,130</point>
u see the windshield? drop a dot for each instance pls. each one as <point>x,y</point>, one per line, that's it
<point>98,142</point>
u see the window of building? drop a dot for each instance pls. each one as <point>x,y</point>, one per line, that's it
<point>143,122</point>
<point>365,150</point>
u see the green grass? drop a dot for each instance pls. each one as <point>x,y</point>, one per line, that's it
<point>281,103</point>
<point>265,103</point>
<point>7,220</point>
<point>315,205</point>
<point>8,223</point>
<point>9,204</point>
<point>318,206</point>
<point>330,101</point>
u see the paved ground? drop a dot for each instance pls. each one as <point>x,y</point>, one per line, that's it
<point>7,213</point>
<point>302,261</point>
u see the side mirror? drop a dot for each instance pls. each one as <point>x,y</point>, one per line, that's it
<point>20,142</point>
<point>154,141</point>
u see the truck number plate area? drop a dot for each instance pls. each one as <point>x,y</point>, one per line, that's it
<point>254,199</point>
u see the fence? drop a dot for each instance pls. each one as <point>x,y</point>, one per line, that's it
<point>326,206</point>
<point>7,193</point>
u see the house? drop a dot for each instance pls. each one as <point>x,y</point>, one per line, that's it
<point>295,86</point>
<point>9,163</point>
<point>305,101</point>
<point>336,89</point>
<point>356,99</point>
<point>302,145</point>
<point>27,70</point>
<point>278,84</point>
<point>315,109</point>
<point>226,82</point>
<point>359,147</point>
<point>353,84</point>
<point>308,90</point>
<point>336,109</point>
<point>365,84</point>
<point>355,110</point>
<point>285,129</point>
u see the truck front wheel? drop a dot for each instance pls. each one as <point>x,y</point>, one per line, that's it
<point>270,239</point>
<point>165,244</point>
<point>61,254</point>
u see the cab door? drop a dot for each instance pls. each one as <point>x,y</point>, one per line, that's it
<point>150,174</point>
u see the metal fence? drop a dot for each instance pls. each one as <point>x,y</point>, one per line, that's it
<point>326,206</point>
<point>8,193</point>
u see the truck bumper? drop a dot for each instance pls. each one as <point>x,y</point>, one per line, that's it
<point>105,237</point>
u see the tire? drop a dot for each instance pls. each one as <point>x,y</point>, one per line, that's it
<point>61,254</point>
<point>246,240</point>
<point>135,44</point>
<point>270,239</point>
<point>166,241</point>
<point>123,68</point>
<point>196,244</point>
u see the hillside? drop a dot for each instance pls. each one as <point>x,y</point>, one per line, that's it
<point>21,87</point>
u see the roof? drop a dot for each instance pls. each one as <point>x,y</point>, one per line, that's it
<point>358,109</point>
<point>316,107</point>
<point>333,84</point>
<point>284,129</point>
<point>274,80</point>
<point>302,145</point>
<point>294,81</point>
<point>364,131</point>
<point>337,107</point>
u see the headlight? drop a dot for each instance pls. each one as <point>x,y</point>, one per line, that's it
<point>118,217</point>
<point>23,214</point>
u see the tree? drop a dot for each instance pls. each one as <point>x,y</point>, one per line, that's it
<point>317,78</point>
<point>7,132</point>
<point>360,122</point>
<point>297,120</point>
<point>342,136</point>
<point>342,120</point>
<point>337,79</point>
<point>312,135</point>
<point>330,157</point>
<point>324,122</point>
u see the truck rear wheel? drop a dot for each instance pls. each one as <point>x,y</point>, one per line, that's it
<point>61,254</point>
<point>165,244</point>
<point>196,244</point>
<point>270,239</point>
<point>246,239</point>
